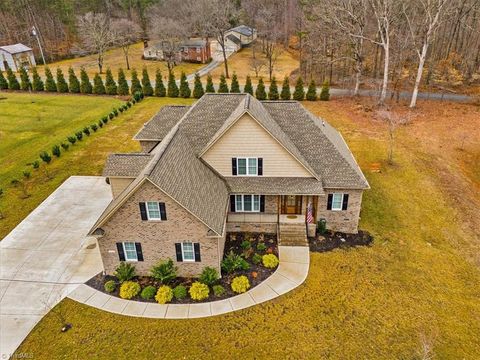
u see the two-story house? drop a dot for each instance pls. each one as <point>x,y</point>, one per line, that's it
<point>227,163</point>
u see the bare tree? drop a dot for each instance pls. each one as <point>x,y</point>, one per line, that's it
<point>126,32</point>
<point>96,34</point>
<point>393,120</point>
<point>51,302</point>
<point>257,64</point>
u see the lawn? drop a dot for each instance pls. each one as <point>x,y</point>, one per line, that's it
<point>417,285</point>
<point>32,123</point>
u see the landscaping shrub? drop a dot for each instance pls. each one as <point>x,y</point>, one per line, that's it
<point>110,85</point>
<point>299,93</point>
<point>122,88</point>
<point>73,83</point>
<point>98,87</point>
<point>160,90</point>
<point>62,86</point>
<point>125,271</point>
<point>79,135</point>
<point>185,91</point>
<point>285,94</point>
<point>25,83</point>
<point>147,86</point>
<point>129,289</point>
<point>312,91</point>
<point>260,92</point>
<point>248,88</point>
<point>180,292</point>
<point>35,164</point>
<point>325,92</point>
<point>256,258</point>
<point>172,88</point>
<point>209,276</point>
<point>199,291</point>
<point>209,88</point>
<point>110,286</point>
<point>129,104</point>
<point>321,226</point>
<point>12,80</point>
<point>233,262</point>
<point>46,158</point>
<point>223,87</point>
<point>100,123</point>
<point>72,139</point>
<point>64,146</point>
<point>148,292</point>
<point>136,86</point>
<point>273,90</point>
<point>261,246</point>
<point>94,127</point>
<point>85,85</point>
<point>26,174</point>
<point>270,261</point>
<point>164,271</point>
<point>86,131</point>
<point>115,112</point>
<point>234,86</point>
<point>37,83</point>
<point>240,284</point>
<point>164,294</point>
<point>49,82</point>
<point>218,290</point>
<point>3,82</point>
<point>111,115</point>
<point>105,119</point>
<point>245,245</point>
<point>198,87</point>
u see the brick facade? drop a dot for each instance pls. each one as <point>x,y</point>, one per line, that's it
<point>342,220</point>
<point>158,238</point>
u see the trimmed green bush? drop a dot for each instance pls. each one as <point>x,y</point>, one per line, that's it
<point>209,276</point>
<point>246,244</point>
<point>64,146</point>
<point>100,123</point>
<point>285,94</point>
<point>110,286</point>
<point>73,83</point>
<point>209,88</point>
<point>129,289</point>
<point>25,83</point>
<point>122,88</point>
<point>12,80</point>
<point>164,294</point>
<point>3,82</point>
<point>270,261</point>
<point>160,90</point>
<point>172,88</point>
<point>105,119</point>
<point>36,164</point>
<point>260,92</point>
<point>135,86</point>
<point>311,91</point>
<point>146,85</point>
<point>185,91</point>
<point>240,284</point>
<point>223,87</point>
<point>325,92</point>
<point>62,86</point>
<point>72,139</point>
<point>98,87</point>
<point>94,127</point>
<point>248,88</point>
<point>180,292</point>
<point>37,83</point>
<point>85,85</point>
<point>86,131</point>
<point>111,115</point>
<point>218,290</point>
<point>234,86</point>
<point>233,262</point>
<point>199,291</point>
<point>148,292</point>
<point>299,93</point>
<point>261,246</point>
<point>110,85</point>
<point>50,85</point>
<point>273,90</point>
<point>198,87</point>
<point>124,272</point>
<point>256,258</point>
<point>26,174</point>
<point>45,156</point>
<point>164,271</point>
<point>79,135</point>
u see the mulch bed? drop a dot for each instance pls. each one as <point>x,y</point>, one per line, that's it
<point>332,240</point>
<point>256,274</point>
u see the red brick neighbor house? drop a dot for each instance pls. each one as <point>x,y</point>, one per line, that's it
<point>228,163</point>
<point>192,50</point>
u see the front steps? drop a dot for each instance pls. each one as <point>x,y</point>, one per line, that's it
<point>292,234</point>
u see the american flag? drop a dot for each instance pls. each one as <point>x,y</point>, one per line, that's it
<point>309,213</point>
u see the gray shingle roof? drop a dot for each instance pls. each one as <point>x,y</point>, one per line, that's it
<point>243,29</point>
<point>126,165</point>
<point>234,39</point>
<point>15,49</point>
<point>274,185</point>
<point>161,123</point>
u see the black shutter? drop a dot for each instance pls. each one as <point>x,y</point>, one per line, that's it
<point>345,202</point>
<point>329,201</point>
<point>262,203</point>
<point>178,251</point>
<point>143,211</point>
<point>234,166</point>
<point>232,203</point>
<point>196,248</point>
<point>121,254</point>
<point>260,166</point>
<point>138,247</point>
<point>163,212</point>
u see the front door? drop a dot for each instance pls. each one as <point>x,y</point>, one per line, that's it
<point>292,204</point>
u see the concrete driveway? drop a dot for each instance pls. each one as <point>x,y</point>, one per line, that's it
<point>48,255</point>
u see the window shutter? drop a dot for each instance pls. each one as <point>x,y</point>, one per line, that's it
<point>196,248</point>
<point>232,203</point>
<point>138,247</point>
<point>345,202</point>
<point>163,212</point>
<point>260,166</point>
<point>121,254</point>
<point>143,211</point>
<point>262,203</point>
<point>178,251</point>
<point>329,201</point>
<point>234,166</point>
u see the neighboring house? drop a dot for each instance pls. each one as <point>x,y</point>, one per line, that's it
<point>227,163</point>
<point>244,33</point>
<point>193,50</point>
<point>15,57</point>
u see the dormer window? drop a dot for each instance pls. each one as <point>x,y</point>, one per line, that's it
<point>247,166</point>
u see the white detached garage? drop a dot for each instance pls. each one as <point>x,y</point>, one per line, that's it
<point>16,56</point>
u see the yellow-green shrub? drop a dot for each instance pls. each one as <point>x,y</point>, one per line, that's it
<point>164,294</point>
<point>270,261</point>
<point>129,289</point>
<point>199,291</point>
<point>240,284</point>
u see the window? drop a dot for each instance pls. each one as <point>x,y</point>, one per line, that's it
<point>153,211</point>
<point>198,49</point>
<point>247,166</point>
<point>130,251</point>
<point>337,201</point>
<point>247,203</point>
<point>188,253</point>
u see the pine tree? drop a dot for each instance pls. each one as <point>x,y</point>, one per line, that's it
<point>98,87</point>
<point>122,83</point>
<point>12,80</point>
<point>49,82</point>
<point>172,88</point>
<point>223,87</point>
<point>198,87</point>
<point>273,90</point>
<point>159,87</point>
<point>62,86</point>
<point>147,86</point>
<point>110,85</point>
<point>260,93</point>
<point>285,94</point>
<point>325,92</point>
<point>37,83</point>
<point>73,83</point>
<point>136,86</point>
<point>25,83</point>
<point>235,86</point>
<point>312,91</point>
<point>299,93</point>
<point>248,89</point>
<point>185,91</point>
<point>3,82</point>
<point>85,85</point>
<point>209,88</point>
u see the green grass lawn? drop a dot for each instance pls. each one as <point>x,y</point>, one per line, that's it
<point>32,123</point>
<point>413,286</point>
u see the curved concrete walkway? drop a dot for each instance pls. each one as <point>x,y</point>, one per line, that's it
<point>291,272</point>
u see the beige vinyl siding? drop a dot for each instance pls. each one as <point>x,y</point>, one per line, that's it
<point>246,138</point>
<point>118,184</point>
